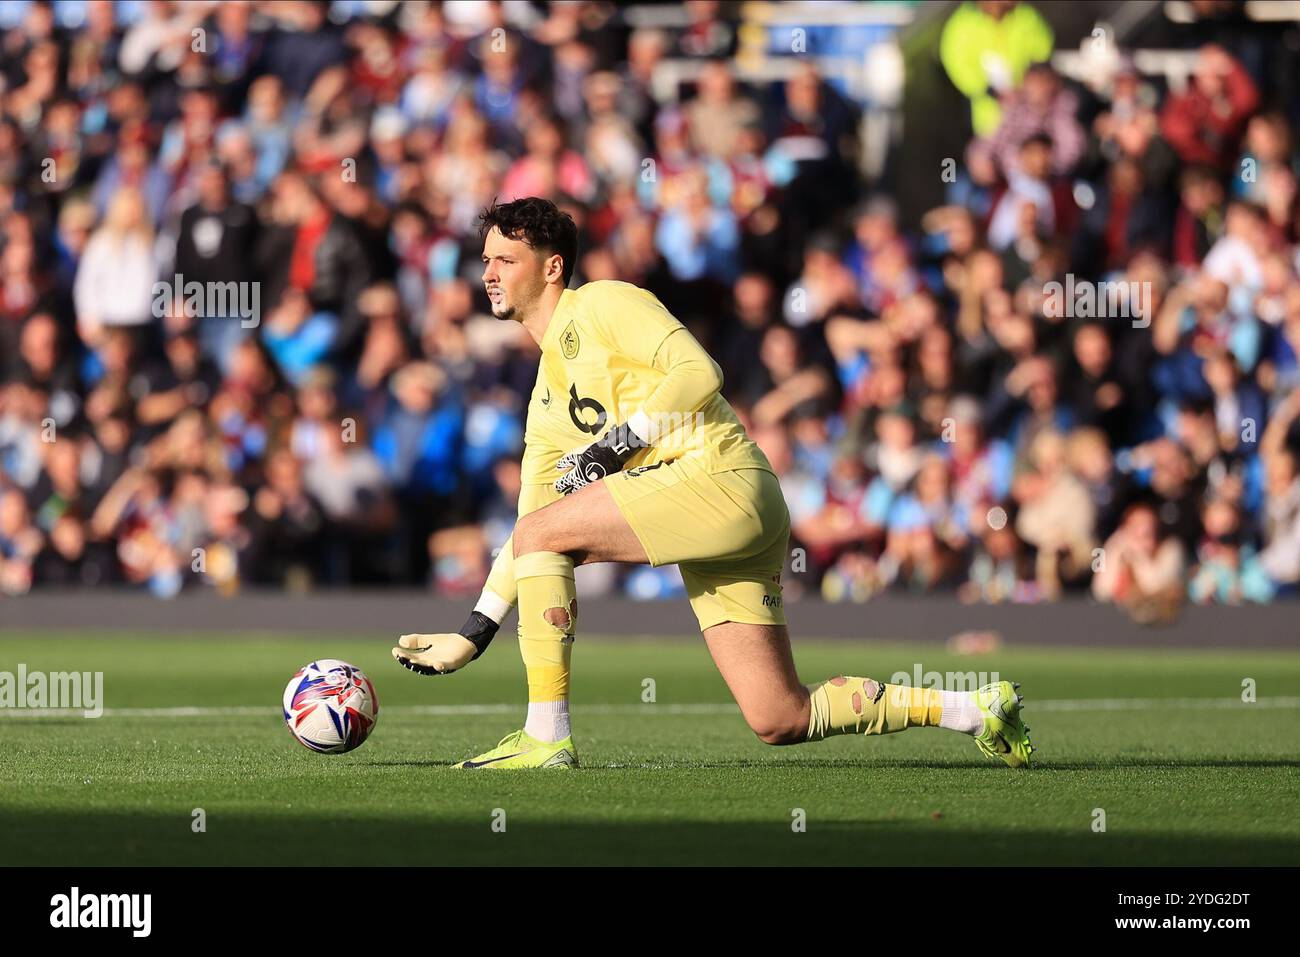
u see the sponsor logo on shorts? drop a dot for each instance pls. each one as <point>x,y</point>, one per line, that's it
<point>641,469</point>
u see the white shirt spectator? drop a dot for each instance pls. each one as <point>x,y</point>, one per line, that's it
<point>115,278</point>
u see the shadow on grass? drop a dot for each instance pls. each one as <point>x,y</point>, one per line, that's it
<point>886,763</point>
<point>67,839</point>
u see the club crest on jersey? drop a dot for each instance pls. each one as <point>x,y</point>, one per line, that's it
<point>569,343</point>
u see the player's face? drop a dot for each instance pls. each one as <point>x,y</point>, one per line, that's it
<point>513,275</point>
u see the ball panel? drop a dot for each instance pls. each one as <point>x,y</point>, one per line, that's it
<point>330,706</point>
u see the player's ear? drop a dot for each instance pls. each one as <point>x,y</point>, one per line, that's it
<point>555,268</point>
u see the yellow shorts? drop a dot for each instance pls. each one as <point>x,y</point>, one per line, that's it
<point>727,531</point>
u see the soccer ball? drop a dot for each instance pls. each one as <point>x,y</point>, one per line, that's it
<point>330,706</point>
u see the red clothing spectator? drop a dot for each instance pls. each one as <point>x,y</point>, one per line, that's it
<point>302,266</point>
<point>1204,124</point>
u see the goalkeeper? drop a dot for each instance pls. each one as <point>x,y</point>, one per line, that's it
<point>632,455</point>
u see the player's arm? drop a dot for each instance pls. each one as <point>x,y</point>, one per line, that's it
<point>440,654</point>
<point>690,379</point>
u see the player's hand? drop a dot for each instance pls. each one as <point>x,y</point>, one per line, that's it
<point>603,457</point>
<point>442,654</point>
<point>434,654</point>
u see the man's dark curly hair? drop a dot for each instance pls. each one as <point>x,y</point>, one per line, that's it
<point>539,223</point>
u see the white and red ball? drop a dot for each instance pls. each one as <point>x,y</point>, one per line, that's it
<point>330,706</point>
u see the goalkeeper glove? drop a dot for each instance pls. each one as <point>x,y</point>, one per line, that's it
<point>443,654</point>
<point>603,457</point>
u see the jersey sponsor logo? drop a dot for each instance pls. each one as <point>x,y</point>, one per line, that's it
<point>772,601</point>
<point>579,406</point>
<point>547,400</point>
<point>569,343</point>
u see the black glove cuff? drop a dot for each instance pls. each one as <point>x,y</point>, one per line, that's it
<point>623,442</point>
<point>480,630</point>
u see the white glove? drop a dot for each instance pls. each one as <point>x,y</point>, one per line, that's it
<point>434,654</point>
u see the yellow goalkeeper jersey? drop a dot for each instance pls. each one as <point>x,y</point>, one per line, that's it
<point>613,354</point>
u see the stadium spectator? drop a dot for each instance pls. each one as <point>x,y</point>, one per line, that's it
<point>1140,570</point>
<point>932,423</point>
<point>1281,555</point>
<point>1041,106</point>
<point>986,47</point>
<point>115,277</point>
<point>1227,572</point>
<point>1205,123</point>
<point>718,113</point>
<point>20,543</point>
<point>215,244</point>
<point>1056,515</point>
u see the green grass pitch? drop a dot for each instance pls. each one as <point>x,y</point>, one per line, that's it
<point>1159,740</point>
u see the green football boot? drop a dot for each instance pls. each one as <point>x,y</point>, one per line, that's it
<point>521,750</point>
<point>1005,737</point>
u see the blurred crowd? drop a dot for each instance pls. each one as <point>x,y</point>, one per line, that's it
<point>354,415</point>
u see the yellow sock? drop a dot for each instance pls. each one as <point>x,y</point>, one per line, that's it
<point>845,705</point>
<point>548,617</point>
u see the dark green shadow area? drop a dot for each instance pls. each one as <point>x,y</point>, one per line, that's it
<point>121,840</point>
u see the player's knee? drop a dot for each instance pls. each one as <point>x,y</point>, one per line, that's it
<point>528,535</point>
<point>779,728</point>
